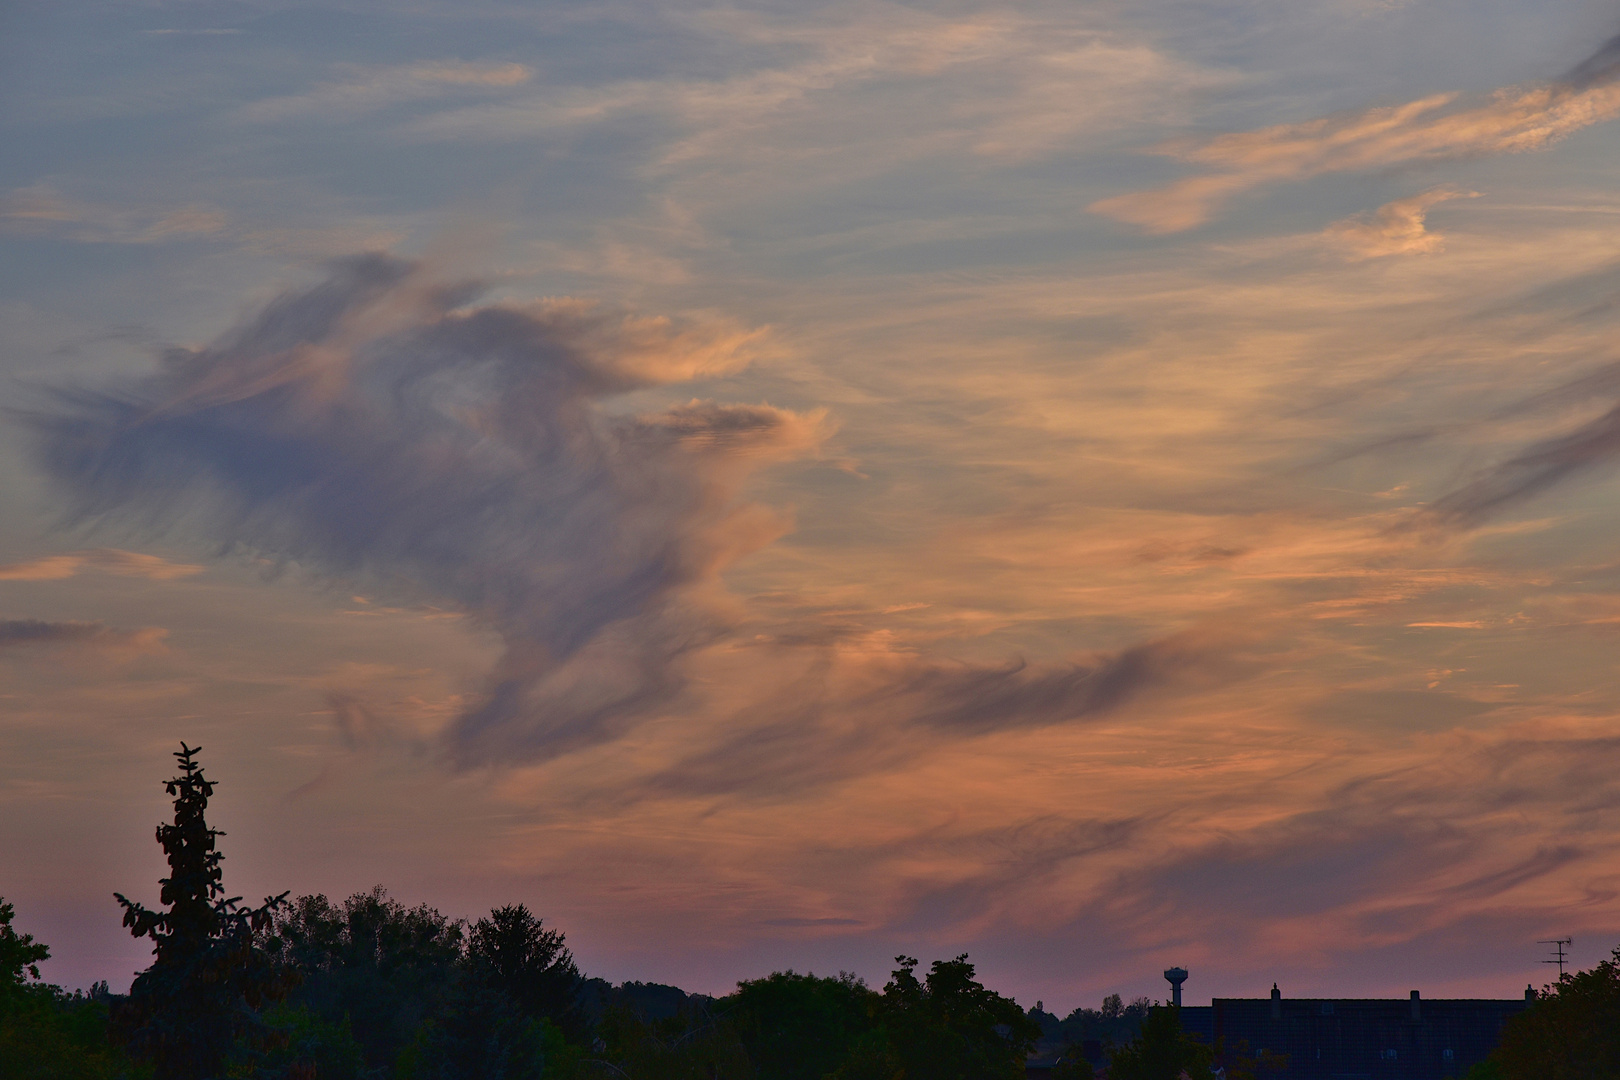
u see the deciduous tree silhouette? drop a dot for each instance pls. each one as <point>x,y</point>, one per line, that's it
<point>209,977</point>
<point>947,1027</point>
<point>1572,1032</point>
<point>20,955</point>
<point>1162,1052</point>
<point>799,1027</point>
<point>45,1032</point>
<point>371,965</point>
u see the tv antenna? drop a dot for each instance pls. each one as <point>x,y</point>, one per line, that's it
<point>1560,957</point>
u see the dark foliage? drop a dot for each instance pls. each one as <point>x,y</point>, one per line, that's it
<point>1571,1033</point>
<point>648,1000</point>
<point>1082,1039</point>
<point>947,1027</point>
<point>1115,1023</point>
<point>1242,1062</point>
<point>300,1046</point>
<point>20,991</point>
<point>209,977</point>
<point>1162,1051</point>
<point>698,1043</point>
<point>518,957</point>
<point>800,1027</point>
<point>20,955</point>
<point>371,965</point>
<point>420,996</point>
<point>1073,1066</point>
<point>478,1034</point>
<point>46,1034</point>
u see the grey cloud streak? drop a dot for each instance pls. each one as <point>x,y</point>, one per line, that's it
<point>825,737</point>
<point>1599,68</point>
<point>978,700</point>
<point>39,632</point>
<point>1504,829</point>
<point>1528,474</point>
<point>1550,461</point>
<point>375,425</point>
<point>16,633</point>
<point>1535,467</point>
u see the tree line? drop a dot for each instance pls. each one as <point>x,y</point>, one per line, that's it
<point>370,989</point>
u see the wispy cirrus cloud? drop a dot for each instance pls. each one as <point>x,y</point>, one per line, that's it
<point>1419,848</point>
<point>365,90</point>
<point>1002,86</point>
<point>43,210</point>
<point>1514,120</point>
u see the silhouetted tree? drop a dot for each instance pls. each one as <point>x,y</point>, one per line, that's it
<point>948,1027</point>
<point>1572,1032</point>
<point>300,1045</point>
<point>1242,1062</point>
<point>697,1043</point>
<point>371,966</point>
<point>799,1027</point>
<point>477,1034</point>
<point>209,976</point>
<point>423,996</point>
<point>46,1033</point>
<point>1073,1066</point>
<point>518,957</point>
<point>1162,1052</point>
<point>1112,1024</point>
<point>20,955</point>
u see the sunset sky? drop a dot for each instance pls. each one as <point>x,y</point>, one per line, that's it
<point>1091,485</point>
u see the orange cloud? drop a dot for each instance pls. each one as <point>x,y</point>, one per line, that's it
<point>105,560</point>
<point>1397,228</point>
<point>1514,120</point>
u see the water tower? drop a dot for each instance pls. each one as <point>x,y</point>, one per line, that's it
<point>1176,976</point>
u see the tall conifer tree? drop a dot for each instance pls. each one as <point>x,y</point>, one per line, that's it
<point>208,977</point>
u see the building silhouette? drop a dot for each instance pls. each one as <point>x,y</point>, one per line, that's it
<point>1355,1038</point>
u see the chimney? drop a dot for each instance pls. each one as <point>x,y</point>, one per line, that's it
<point>1276,1002</point>
<point>1175,977</point>
<point>1529,992</point>
<point>1417,1009</point>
